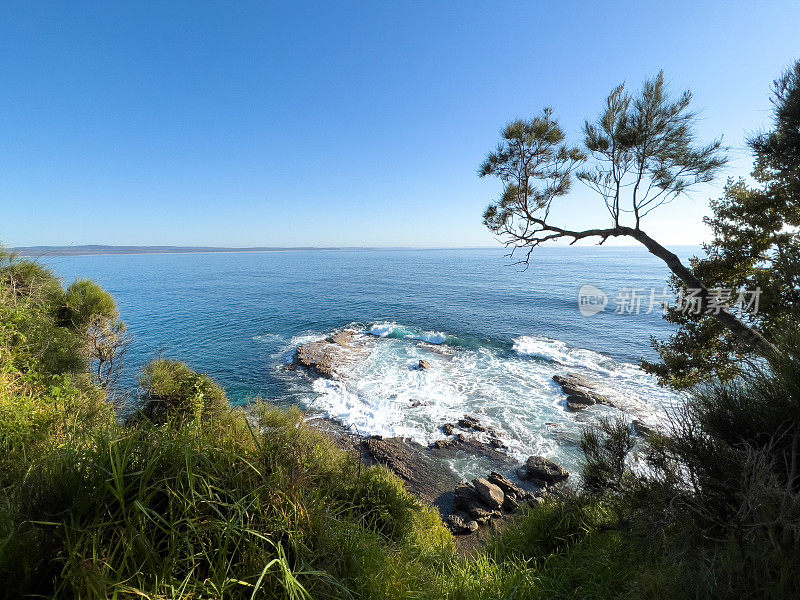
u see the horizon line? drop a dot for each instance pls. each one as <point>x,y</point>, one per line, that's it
<point>108,249</point>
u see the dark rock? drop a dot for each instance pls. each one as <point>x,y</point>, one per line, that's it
<point>448,428</point>
<point>510,503</point>
<point>497,444</point>
<point>581,393</point>
<point>291,367</point>
<point>465,496</point>
<point>424,364</point>
<point>575,403</point>
<point>451,447</point>
<point>424,475</point>
<point>509,487</point>
<point>469,422</point>
<point>460,522</point>
<point>480,513</point>
<point>491,495</point>
<point>542,471</point>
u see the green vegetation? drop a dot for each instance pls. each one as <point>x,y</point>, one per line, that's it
<point>191,498</point>
<point>756,246</point>
<point>194,499</point>
<point>640,154</point>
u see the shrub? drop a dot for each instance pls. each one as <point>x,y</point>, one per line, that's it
<point>174,391</point>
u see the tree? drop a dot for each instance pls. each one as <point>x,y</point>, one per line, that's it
<point>755,245</point>
<point>643,154</point>
<point>92,313</point>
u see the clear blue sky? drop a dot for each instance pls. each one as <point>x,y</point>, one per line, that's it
<point>238,124</point>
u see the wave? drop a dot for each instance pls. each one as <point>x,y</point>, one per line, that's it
<point>556,351</point>
<point>402,332</point>
<point>506,384</point>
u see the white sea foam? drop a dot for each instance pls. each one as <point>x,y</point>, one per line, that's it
<point>389,329</point>
<point>512,392</point>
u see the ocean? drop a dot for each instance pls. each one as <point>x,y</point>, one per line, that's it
<point>494,333</point>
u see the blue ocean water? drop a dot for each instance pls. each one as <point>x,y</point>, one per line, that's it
<point>499,333</point>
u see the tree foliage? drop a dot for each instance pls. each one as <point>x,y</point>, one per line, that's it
<point>755,246</point>
<point>641,153</point>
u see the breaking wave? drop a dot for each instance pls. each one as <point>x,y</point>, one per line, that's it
<point>507,385</point>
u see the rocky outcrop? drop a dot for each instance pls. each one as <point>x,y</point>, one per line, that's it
<point>467,443</point>
<point>423,364</point>
<point>461,443</point>
<point>581,392</point>
<point>460,522</point>
<point>424,476</point>
<point>484,499</point>
<point>542,471</point>
<point>489,494</point>
<point>329,357</point>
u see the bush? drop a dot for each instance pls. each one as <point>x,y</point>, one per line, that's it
<point>173,391</point>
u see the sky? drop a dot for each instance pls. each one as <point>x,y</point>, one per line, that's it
<point>338,123</point>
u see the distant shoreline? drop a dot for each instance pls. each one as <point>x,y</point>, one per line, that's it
<point>95,250</point>
<point>99,250</point>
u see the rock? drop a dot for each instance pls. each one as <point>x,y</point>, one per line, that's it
<point>491,495</point>
<point>575,403</point>
<point>469,422</point>
<point>459,522</point>
<point>424,475</point>
<point>451,447</point>
<point>510,503</point>
<point>342,338</point>
<point>479,513</point>
<point>424,364</point>
<point>542,471</point>
<point>581,393</point>
<point>509,487</point>
<point>291,367</point>
<point>448,428</point>
<point>536,501</point>
<point>497,444</point>
<point>465,496</point>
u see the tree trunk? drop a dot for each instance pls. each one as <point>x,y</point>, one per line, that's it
<point>741,330</point>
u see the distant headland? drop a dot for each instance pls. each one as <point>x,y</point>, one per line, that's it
<point>100,249</point>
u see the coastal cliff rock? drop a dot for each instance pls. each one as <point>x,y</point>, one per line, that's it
<point>486,499</point>
<point>581,392</point>
<point>425,477</point>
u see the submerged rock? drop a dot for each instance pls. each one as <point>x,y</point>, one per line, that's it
<point>542,471</point>
<point>470,422</point>
<point>642,429</point>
